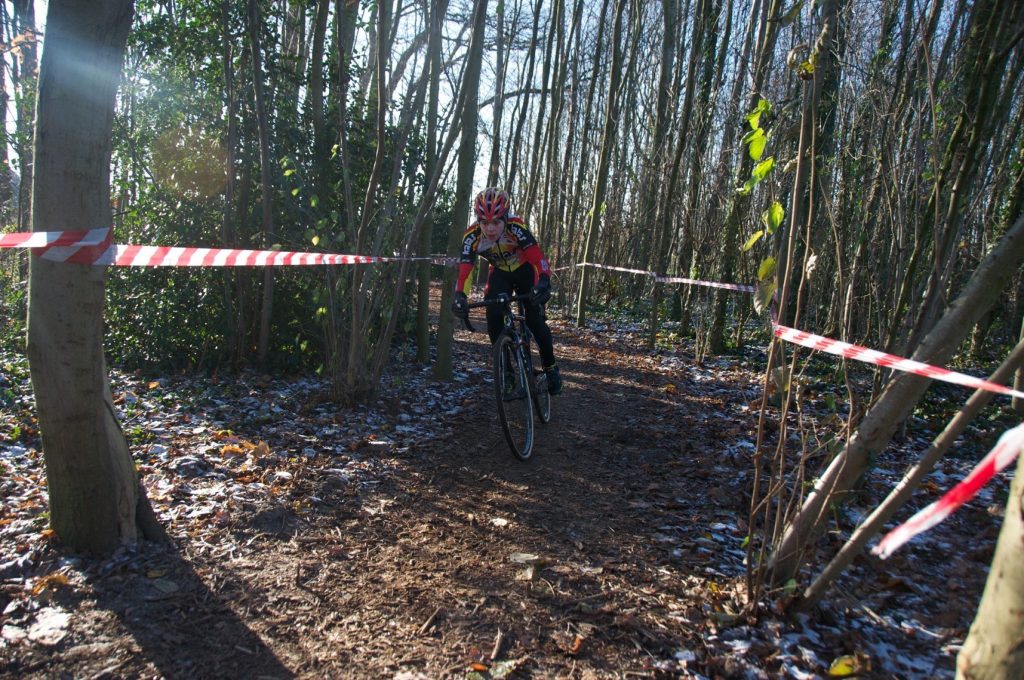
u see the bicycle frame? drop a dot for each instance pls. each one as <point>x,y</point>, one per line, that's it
<point>516,333</point>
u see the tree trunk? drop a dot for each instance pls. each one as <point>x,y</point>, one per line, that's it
<point>25,91</point>
<point>235,331</point>
<point>767,19</point>
<point>533,181</point>
<point>315,102</point>
<point>904,490</point>
<point>463,183</point>
<point>611,122</point>
<point>96,501</point>
<point>437,10</point>
<point>993,646</point>
<point>498,108</point>
<point>266,177</point>
<point>357,382</point>
<point>515,151</point>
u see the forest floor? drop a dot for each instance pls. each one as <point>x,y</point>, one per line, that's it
<point>402,539</point>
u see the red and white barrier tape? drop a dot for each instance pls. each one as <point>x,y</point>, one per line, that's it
<point>1005,451</point>
<point>610,268</point>
<point>845,349</point>
<point>668,279</point>
<point>709,284</point>
<point>95,247</point>
<point>45,239</point>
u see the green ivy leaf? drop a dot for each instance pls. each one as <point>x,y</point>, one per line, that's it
<point>289,172</point>
<point>773,216</point>
<point>755,237</point>
<point>754,117</point>
<point>295,191</point>
<point>763,168</point>
<point>314,201</point>
<point>757,145</point>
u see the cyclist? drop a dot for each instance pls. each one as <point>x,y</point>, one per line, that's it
<point>517,266</point>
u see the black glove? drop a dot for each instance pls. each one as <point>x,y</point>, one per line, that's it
<point>460,304</point>
<point>541,292</point>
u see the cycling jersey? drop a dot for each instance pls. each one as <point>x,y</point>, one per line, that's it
<point>513,248</point>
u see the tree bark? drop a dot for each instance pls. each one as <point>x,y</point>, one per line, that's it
<point>993,646</point>
<point>25,90</point>
<point>266,176</point>
<point>437,10</point>
<point>500,68</point>
<point>611,123</point>
<point>96,501</point>
<point>463,183</point>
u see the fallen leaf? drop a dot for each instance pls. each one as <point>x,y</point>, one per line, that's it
<point>50,582</point>
<point>165,586</point>
<point>528,574</point>
<point>849,665</point>
<point>502,669</point>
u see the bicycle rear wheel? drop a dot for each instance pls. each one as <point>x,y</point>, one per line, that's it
<point>513,394</point>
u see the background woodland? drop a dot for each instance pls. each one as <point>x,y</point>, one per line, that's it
<point>861,162</point>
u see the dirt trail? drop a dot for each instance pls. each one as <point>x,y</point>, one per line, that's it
<point>614,552</point>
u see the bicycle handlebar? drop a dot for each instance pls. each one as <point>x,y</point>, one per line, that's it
<point>502,299</point>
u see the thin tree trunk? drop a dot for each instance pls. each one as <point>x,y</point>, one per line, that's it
<point>498,106</point>
<point>357,382</point>
<point>266,177</point>
<point>235,331</point>
<point>993,647</point>
<point>611,122</point>
<point>463,183</point>
<point>767,17</point>
<point>24,94</point>
<point>515,150</point>
<point>437,11</point>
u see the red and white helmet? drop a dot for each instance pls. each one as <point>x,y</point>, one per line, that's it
<point>491,204</point>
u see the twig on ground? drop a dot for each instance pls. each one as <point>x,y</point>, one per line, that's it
<point>496,650</point>
<point>429,622</point>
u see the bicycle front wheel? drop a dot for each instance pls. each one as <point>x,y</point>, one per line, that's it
<point>511,385</point>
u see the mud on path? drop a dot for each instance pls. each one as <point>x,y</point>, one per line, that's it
<point>615,552</point>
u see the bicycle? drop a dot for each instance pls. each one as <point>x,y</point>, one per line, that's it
<point>516,382</point>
